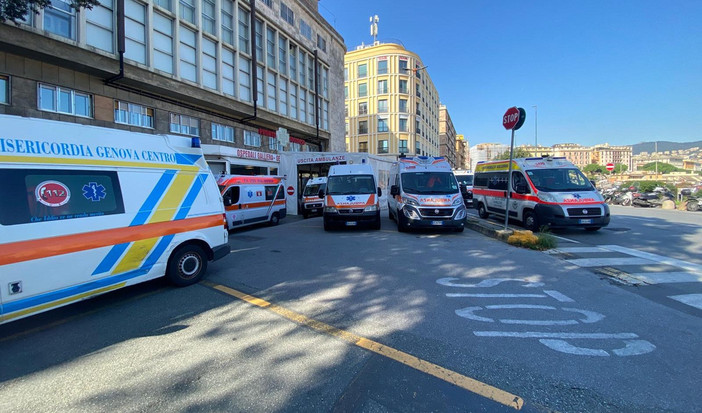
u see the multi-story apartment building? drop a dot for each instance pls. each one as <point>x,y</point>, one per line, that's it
<point>462,154</point>
<point>447,137</point>
<point>604,153</point>
<point>392,106</point>
<point>248,78</point>
<point>485,152</point>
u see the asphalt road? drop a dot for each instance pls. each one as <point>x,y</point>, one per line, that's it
<point>298,319</point>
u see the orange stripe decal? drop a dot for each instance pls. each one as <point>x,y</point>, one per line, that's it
<point>47,247</point>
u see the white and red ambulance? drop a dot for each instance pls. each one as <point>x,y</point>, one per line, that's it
<point>351,197</point>
<point>250,199</point>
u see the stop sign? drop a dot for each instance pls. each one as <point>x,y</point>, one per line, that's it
<point>510,118</point>
<point>610,166</point>
<point>291,190</point>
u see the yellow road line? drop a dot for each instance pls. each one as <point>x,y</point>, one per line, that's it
<point>465,382</point>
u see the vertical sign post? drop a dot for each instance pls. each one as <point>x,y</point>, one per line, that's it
<point>512,120</point>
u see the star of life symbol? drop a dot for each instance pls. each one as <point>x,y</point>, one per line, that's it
<point>94,191</point>
<point>576,196</point>
<point>350,198</point>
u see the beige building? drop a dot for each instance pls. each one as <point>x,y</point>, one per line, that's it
<point>392,106</point>
<point>447,137</point>
<point>604,153</point>
<point>462,153</point>
<point>250,79</point>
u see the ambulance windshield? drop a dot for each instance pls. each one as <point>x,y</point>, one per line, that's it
<point>559,180</point>
<point>313,189</point>
<point>429,183</point>
<point>350,185</point>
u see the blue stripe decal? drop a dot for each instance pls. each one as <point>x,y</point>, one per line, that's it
<point>163,243</point>
<point>186,159</point>
<point>144,212</point>
<point>70,291</point>
<point>190,198</point>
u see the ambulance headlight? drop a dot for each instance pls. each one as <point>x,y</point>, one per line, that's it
<point>330,209</point>
<point>458,201</point>
<point>546,197</point>
<point>409,201</point>
<point>371,208</point>
<point>461,214</point>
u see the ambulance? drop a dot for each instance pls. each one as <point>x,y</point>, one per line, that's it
<point>311,203</point>
<point>86,210</point>
<point>546,191</point>
<point>425,194</point>
<point>351,197</point>
<point>250,199</point>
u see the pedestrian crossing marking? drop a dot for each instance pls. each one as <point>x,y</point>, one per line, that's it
<point>694,300</point>
<point>667,277</point>
<point>605,262</point>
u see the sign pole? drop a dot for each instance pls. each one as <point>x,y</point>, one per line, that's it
<point>509,181</point>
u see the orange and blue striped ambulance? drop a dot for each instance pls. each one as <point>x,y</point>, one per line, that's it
<point>352,197</point>
<point>87,210</point>
<point>252,199</point>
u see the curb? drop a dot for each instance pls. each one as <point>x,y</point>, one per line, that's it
<point>488,228</point>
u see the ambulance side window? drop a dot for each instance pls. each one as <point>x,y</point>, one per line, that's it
<point>519,183</point>
<point>281,193</point>
<point>497,181</point>
<point>270,192</point>
<point>232,195</point>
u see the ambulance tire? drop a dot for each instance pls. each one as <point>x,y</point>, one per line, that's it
<point>482,212</point>
<point>275,219</point>
<point>376,224</point>
<point>390,215</point>
<point>305,215</point>
<point>530,222</point>
<point>187,265</point>
<point>327,224</point>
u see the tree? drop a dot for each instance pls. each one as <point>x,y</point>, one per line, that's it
<point>16,10</point>
<point>518,153</point>
<point>619,168</point>
<point>594,168</point>
<point>664,168</point>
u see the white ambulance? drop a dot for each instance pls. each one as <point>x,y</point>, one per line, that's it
<point>251,199</point>
<point>310,202</point>
<point>545,191</point>
<point>425,194</point>
<point>86,210</point>
<point>351,197</point>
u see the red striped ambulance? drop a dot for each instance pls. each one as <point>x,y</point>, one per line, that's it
<point>250,199</point>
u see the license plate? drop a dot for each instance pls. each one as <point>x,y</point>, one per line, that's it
<point>436,223</point>
<point>351,223</point>
<point>586,221</point>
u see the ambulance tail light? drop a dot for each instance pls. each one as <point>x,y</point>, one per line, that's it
<point>224,221</point>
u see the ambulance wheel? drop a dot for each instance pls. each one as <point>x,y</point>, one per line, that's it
<point>187,265</point>
<point>327,225</point>
<point>459,229</point>
<point>530,222</point>
<point>693,206</point>
<point>305,215</point>
<point>376,223</point>
<point>592,229</point>
<point>482,212</point>
<point>275,219</point>
<point>390,215</point>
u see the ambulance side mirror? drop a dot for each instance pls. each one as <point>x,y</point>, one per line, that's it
<point>321,193</point>
<point>394,190</point>
<point>464,190</point>
<point>380,192</point>
<point>592,181</point>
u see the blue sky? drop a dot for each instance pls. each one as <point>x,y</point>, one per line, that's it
<point>615,71</point>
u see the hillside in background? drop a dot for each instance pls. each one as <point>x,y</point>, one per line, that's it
<point>663,146</point>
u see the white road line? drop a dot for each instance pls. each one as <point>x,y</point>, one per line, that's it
<point>566,239</point>
<point>558,296</point>
<point>694,300</point>
<point>667,277</point>
<point>536,334</point>
<point>608,262</point>
<point>578,250</point>
<point>495,295</point>
<point>654,257</point>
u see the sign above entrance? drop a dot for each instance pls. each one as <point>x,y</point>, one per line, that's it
<point>261,156</point>
<point>322,159</point>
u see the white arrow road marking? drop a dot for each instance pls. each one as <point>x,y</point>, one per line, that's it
<point>565,347</point>
<point>449,282</point>
<point>634,348</point>
<point>469,313</point>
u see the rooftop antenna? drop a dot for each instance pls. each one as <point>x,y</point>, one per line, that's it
<point>374,27</point>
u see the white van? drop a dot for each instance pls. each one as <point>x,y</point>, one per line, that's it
<point>251,199</point>
<point>545,191</point>
<point>351,197</point>
<point>310,202</point>
<point>465,181</point>
<point>425,194</point>
<point>86,210</point>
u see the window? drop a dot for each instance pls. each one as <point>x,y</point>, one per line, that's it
<point>363,146</point>
<point>382,106</point>
<point>311,110</point>
<point>293,62</point>
<point>346,111</point>
<point>382,86</point>
<point>209,63</point>
<point>163,43</point>
<point>252,138</point>
<point>270,48</point>
<point>208,17</point>
<point>403,105</point>
<point>283,54</point>
<point>382,124</point>
<point>272,91</point>
<point>303,70</point>
<point>403,86</point>
<point>272,143</point>
<point>362,89</point>
<point>244,31</point>
<point>403,66</point>
<point>310,72</point>
<point>383,146</point>
<point>188,54</point>
<point>61,100</point>
<point>346,92</point>
<point>92,193</point>
<point>260,88</point>
<point>283,97</point>
<point>222,133</point>
<point>187,10</point>
<point>60,19</point>
<point>346,73</point>
<point>268,3</point>
<point>417,149</point>
<point>362,70</point>
<point>166,4</point>
<point>325,115</point>
<point>99,26</point>
<point>303,105</point>
<point>362,108</point>
<point>403,146</point>
<point>135,31</point>
<point>403,125</point>
<point>228,72</point>
<point>382,67</point>
<point>132,114</point>
<point>321,43</point>
<point>305,29</point>
<point>293,101</point>
<point>287,14</point>
<point>186,125</point>
<point>227,16</point>
<point>4,89</point>
<point>258,40</point>
<point>244,79</point>
<point>362,126</point>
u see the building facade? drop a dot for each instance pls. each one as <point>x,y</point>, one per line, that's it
<point>485,152</point>
<point>462,154</point>
<point>392,106</point>
<point>604,153</point>
<point>447,137</point>
<point>248,78</point>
